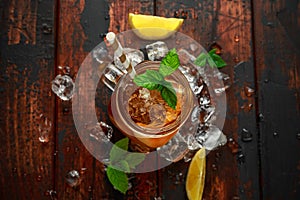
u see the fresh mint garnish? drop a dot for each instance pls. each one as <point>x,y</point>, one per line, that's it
<point>213,59</point>
<point>118,179</point>
<point>155,80</point>
<point>122,162</point>
<point>169,63</point>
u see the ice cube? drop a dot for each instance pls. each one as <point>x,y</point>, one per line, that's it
<point>157,50</point>
<point>63,87</point>
<point>210,138</point>
<point>73,178</point>
<point>135,56</point>
<point>185,57</point>
<point>101,131</point>
<point>101,55</point>
<point>175,149</point>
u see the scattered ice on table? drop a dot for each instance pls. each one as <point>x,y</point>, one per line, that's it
<point>157,50</point>
<point>222,82</point>
<point>101,131</point>
<point>215,138</point>
<point>73,178</point>
<point>175,149</point>
<point>44,128</point>
<point>63,87</point>
<point>134,55</point>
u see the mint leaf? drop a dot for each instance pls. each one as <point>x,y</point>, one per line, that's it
<point>201,60</point>
<point>119,150</point>
<point>169,95</point>
<point>213,59</point>
<point>122,165</point>
<point>219,62</point>
<point>133,159</point>
<point>169,63</point>
<point>150,79</point>
<point>118,179</point>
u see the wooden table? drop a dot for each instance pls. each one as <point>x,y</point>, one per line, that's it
<point>260,42</point>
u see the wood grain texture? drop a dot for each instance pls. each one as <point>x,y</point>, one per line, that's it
<point>227,24</point>
<point>277,28</point>
<point>27,167</point>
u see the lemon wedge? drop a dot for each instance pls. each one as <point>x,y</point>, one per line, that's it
<point>196,176</point>
<point>150,27</point>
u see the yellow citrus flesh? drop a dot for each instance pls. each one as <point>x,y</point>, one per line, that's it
<point>153,27</point>
<point>196,176</point>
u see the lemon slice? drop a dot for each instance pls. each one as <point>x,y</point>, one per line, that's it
<point>196,175</point>
<point>150,27</point>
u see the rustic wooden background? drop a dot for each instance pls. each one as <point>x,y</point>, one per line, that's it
<point>260,42</point>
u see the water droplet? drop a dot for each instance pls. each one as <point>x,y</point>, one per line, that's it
<point>236,38</point>
<point>266,80</point>
<point>248,91</point>
<point>55,153</point>
<point>83,170</point>
<point>44,126</point>
<point>102,35</point>
<point>275,134</point>
<point>261,117</point>
<point>39,178</point>
<point>216,46</point>
<point>214,167</point>
<point>53,194</point>
<point>240,158</point>
<point>47,29</point>
<point>234,147</point>
<point>73,178</point>
<point>236,59</point>
<point>106,17</point>
<point>176,14</point>
<point>246,135</point>
<point>298,136</point>
<point>65,110</point>
<point>90,189</point>
<point>76,149</point>
<point>236,198</point>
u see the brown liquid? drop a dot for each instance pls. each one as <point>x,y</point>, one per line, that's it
<point>147,142</point>
<point>148,109</point>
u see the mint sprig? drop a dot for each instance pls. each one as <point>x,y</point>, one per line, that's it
<point>155,80</point>
<point>213,59</point>
<point>122,162</point>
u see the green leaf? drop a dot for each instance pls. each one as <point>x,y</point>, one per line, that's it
<point>211,62</point>
<point>118,179</point>
<point>119,150</point>
<point>122,165</point>
<point>150,79</point>
<point>133,159</point>
<point>201,60</point>
<point>169,63</point>
<point>169,95</point>
<point>219,62</point>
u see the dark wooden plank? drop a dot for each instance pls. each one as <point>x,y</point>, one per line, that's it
<point>228,24</point>
<point>77,34</point>
<point>27,60</point>
<point>277,50</point>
